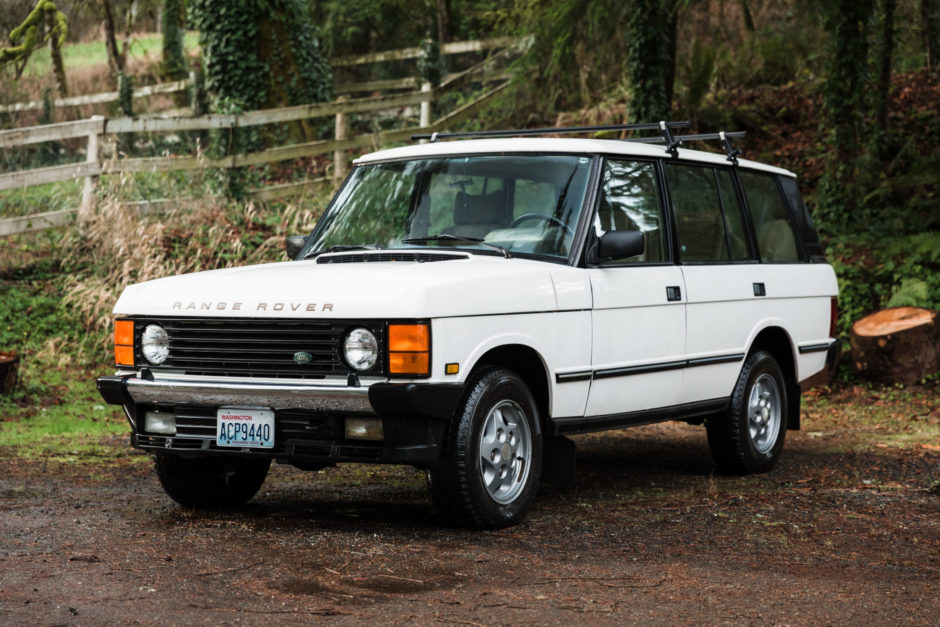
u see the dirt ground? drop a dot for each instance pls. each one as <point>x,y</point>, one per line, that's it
<point>845,530</point>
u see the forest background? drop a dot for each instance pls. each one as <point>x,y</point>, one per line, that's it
<point>843,92</point>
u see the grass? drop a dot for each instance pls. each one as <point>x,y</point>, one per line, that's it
<point>40,198</point>
<point>90,53</point>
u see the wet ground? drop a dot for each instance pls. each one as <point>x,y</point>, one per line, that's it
<point>846,529</point>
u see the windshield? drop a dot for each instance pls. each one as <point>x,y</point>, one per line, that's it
<point>520,203</point>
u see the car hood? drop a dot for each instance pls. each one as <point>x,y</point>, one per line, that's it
<point>467,286</point>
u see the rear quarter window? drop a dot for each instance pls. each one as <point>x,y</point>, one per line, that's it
<point>776,240</point>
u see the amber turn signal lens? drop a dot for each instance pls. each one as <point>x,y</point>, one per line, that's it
<point>408,363</point>
<point>124,333</point>
<point>124,355</point>
<point>409,338</point>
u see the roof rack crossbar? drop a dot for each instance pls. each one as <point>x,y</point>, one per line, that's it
<point>676,140</point>
<point>643,126</point>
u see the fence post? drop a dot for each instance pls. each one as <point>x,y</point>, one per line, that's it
<point>341,157</point>
<point>425,120</point>
<point>91,182</point>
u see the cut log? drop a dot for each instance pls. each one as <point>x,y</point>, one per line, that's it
<point>897,345</point>
<point>9,366</point>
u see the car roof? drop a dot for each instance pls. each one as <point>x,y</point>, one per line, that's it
<point>553,145</point>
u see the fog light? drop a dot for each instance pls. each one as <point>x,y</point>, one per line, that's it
<point>160,422</point>
<point>364,429</point>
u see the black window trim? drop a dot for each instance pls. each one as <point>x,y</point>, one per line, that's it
<point>754,256</point>
<point>590,238</point>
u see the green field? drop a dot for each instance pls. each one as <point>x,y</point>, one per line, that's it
<point>94,53</point>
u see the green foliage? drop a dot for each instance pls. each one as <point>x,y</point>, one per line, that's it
<point>357,26</point>
<point>930,31</point>
<point>577,56</point>
<point>174,61</point>
<point>125,94</point>
<point>260,51</point>
<point>431,63</point>
<point>648,60</point>
<point>26,37</point>
<point>48,106</point>
<point>256,54</point>
<point>697,77</point>
<point>847,22</point>
<point>229,34</point>
<point>125,104</point>
<point>873,275</point>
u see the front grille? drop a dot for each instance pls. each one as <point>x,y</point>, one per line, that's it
<point>257,348</point>
<point>388,257</point>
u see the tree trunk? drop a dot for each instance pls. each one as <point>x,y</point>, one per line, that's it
<point>930,30</point>
<point>58,67</point>
<point>443,21</point>
<point>883,97</point>
<point>115,60</point>
<point>898,345</point>
<point>9,365</point>
<point>672,33</point>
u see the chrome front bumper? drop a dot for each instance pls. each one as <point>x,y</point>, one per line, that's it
<point>220,393</point>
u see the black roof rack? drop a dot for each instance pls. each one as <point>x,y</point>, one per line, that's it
<point>676,140</point>
<point>522,132</point>
<point>666,137</point>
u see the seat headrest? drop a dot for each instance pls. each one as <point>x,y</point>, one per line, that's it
<point>480,208</point>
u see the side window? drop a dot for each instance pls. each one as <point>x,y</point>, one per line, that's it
<point>699,218</point>
<point>734,224</point>
<point>630,200</point>
<point>776,242</point>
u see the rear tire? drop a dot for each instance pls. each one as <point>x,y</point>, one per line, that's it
<point>210,482</point>
<point>749,437</point>
<point>492,455</point>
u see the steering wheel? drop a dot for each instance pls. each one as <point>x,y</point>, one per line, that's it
<point>544,217</point>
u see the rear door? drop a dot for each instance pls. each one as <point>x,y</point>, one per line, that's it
<point>721,276</point>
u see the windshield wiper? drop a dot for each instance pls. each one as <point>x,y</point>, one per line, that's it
<point>447,237</point>
<point>341,248</point>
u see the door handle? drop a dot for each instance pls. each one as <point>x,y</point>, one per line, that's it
<point>760,290</point>
<point>673,293</point>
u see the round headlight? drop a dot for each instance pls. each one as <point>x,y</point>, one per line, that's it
<point>361,349</point>
<point>155,344</point>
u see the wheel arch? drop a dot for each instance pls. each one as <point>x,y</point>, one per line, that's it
<point>776,341</point>
<point>528,364</point>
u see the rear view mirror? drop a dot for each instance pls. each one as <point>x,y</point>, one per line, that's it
<point>294,244</point>
<point>620,244</point>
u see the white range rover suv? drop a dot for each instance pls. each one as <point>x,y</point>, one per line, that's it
<point>462,306</point>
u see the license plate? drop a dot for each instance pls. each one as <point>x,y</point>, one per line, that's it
<point>243,427</point>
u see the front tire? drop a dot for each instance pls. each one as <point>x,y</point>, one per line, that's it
<point>492,456</point>
<point>210,482</point>
<point>749,437</point>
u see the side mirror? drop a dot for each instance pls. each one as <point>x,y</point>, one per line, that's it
<point>621,244</point>
<point>294,244</point>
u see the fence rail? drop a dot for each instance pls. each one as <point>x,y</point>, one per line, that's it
<point>172,87</point>
<point>95,130</point>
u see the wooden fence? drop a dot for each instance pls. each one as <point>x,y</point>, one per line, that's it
<point>97,129</point>
<point>147,91</point>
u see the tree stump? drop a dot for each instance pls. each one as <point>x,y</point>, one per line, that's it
<point>897,345</point>
<point>9,366</point>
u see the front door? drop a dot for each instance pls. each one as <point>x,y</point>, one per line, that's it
<point>638,342</point>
